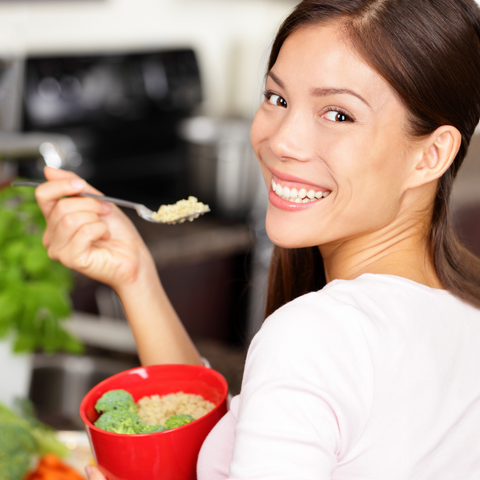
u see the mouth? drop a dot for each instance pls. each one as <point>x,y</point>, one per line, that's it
<point>297,193</point>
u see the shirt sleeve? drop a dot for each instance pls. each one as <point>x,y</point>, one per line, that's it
<point>306,395</point>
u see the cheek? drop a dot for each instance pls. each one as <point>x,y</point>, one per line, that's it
<point>368,164</point>
<point>259,135</point>
<point>371,184</point>
<point>259,131</point>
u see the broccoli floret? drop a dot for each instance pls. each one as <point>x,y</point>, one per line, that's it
<point>116,400</point>
<point>125,422</point>
<point>153,429</point>
<point>17,445</point>
<point>21,439</point>
<point>7,415</point>
<point>119,415</point>
<point>178,420</point>
<point>120,421</point>
<point>45,436</point>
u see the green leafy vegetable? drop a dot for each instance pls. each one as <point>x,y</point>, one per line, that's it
<point>120,421</point>
<point>116,400</point>
<point>21,438</point>
<point>153,429</point>
<point>119,415</point>
<point>34,290</point>
<point>16,447</point>
<point>176,421</point>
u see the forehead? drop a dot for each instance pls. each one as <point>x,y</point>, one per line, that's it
<point>321,56</point>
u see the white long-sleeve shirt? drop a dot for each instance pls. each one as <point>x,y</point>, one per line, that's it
<point>376,378</point>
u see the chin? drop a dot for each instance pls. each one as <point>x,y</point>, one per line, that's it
<point>287,235</point>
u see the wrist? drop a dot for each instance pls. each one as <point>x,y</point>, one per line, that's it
<point>143,282</point>
<point>159,333</point>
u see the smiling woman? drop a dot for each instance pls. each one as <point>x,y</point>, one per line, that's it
<point>369,108</point>
<point>415,72</point>
<point>367,366</point>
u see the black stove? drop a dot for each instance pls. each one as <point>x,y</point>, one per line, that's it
<point>122,111</point>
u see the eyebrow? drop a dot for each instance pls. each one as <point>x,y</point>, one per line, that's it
<point>323,92</point>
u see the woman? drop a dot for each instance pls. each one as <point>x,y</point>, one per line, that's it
<point>369,108</point>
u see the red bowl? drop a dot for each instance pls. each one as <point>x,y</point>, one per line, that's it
<point>169,455</point>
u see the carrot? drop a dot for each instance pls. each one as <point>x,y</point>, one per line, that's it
<point>51,461</point>
<point>51,467</point>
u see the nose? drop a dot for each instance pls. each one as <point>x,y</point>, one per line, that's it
<point>292,139</point>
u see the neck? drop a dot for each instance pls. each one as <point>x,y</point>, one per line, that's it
<point>399,249</point>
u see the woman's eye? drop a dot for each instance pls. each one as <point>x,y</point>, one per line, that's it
<point>277,100</point>
<point>336,116</point>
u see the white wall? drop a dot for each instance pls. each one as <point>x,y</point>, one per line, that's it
<point>231,37</point>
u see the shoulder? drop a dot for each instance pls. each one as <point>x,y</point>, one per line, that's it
<point>307,334</point>
<point>338,326</point>
<point>311,352</point>
<point>335,310</point>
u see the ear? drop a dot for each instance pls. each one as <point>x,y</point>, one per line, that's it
<point>437,154</point>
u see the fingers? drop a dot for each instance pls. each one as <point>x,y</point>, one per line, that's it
<point>77,252</point>
<point>93,473</point>
<point>58,174</point>
<point>57,237</point>
<point>49,193</point>
<point>68,214</point>
<point>60,184</point>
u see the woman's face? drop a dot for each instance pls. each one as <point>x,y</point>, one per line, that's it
<point>330,138</point>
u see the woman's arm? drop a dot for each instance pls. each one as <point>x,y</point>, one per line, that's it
<point>98,240</point>
<point>159,333</point>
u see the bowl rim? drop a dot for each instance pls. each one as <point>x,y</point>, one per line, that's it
<point>90,425</point>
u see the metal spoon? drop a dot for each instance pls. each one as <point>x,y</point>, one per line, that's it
<point>141,210</point>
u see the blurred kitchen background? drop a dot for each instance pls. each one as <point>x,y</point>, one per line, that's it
<point>152,101</point>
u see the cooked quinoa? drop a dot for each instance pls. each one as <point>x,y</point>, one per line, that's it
<point>156,409</point>
<point>171,213</point>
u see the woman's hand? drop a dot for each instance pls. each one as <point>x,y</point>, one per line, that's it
<point>93,237</point>
<point>98,240</point>
<point>93,473</point>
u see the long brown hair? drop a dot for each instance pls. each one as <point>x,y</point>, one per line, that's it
<point>429,53</point>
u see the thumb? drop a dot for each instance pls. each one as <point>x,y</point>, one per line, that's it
<point>93,473</point>
<point>58,174</point>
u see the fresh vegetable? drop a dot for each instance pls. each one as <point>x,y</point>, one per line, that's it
<point>153,429</point>
<point>21,438</point>
<point>34,290</point>
<point>119,415</point>
<point>124,421</point>
<point>16,448</point>
<point>176,421</point>
<point>116,400</point>
<point>45,436</point>
<point>120,421</point>
<point>51,467</point>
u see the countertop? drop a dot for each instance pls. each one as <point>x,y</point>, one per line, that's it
<point>204,238</point>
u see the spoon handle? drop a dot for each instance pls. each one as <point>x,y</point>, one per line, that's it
<point>117,201</point>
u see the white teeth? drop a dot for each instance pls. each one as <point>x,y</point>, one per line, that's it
<point>297,196</point>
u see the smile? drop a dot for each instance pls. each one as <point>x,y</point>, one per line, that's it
<point>301,195</point>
